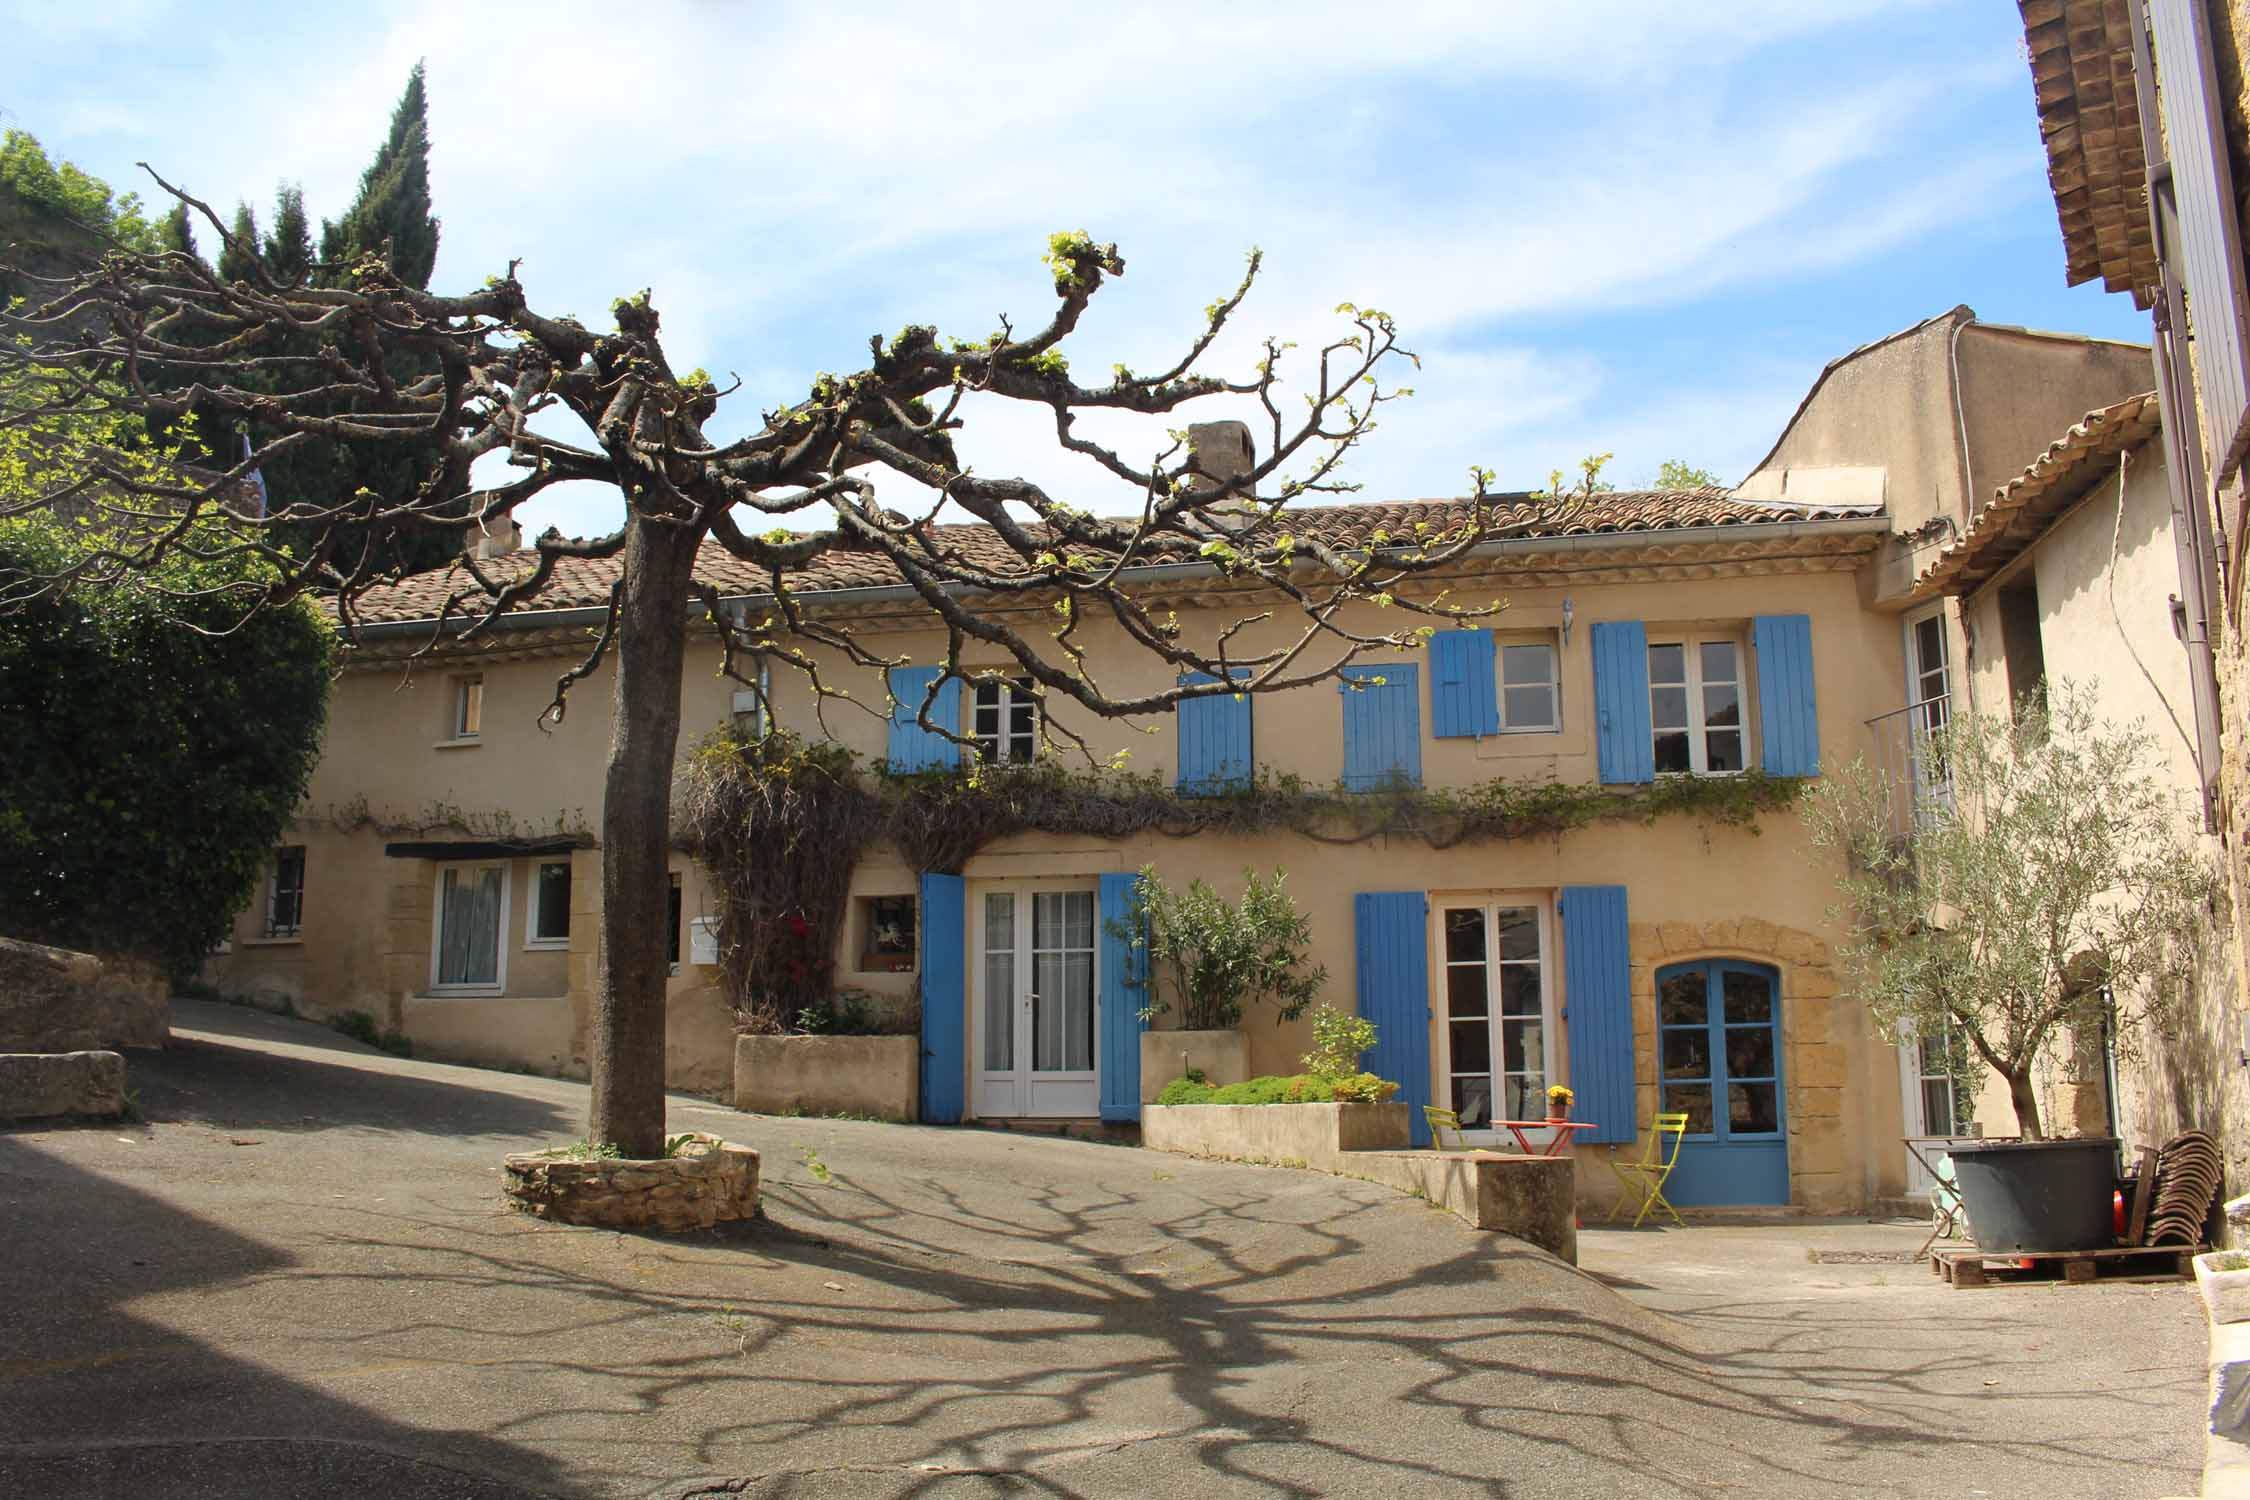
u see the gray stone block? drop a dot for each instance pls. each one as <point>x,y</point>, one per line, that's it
<point>38,1085</point>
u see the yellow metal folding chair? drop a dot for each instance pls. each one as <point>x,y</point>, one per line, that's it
<point>1645,1178</point>
<point>1442,1120</point>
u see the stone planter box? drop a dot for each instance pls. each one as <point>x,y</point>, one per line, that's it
<point>829,1075</point>
<point>1223,1057</point>
<point>1285,1135</point>
<point>709,1182</point>
<point>2226,1294</point>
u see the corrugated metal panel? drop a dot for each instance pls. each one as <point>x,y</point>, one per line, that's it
<point>945,998</point>
<point>910,746</point>
<point>1598,1010</point>
<point>1391,933</point>
<point>1121,1002</point>
<point>1627,749</point>
<point>1382,726</point>
<point>1214,739</point>
<point>2209,251</point>
<point>1788,709</point>
<point>1464,685</point>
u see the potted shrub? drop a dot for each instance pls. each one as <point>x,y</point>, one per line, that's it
<point>2034,883</point>
<point>1215,959</point>
<point>1559,1100</point>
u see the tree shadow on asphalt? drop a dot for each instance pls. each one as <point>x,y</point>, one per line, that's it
<point>201,1422</point>
<point>1541,1375</point>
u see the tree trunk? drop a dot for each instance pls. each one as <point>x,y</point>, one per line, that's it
<point>2026,1101</point>
<point>626,1045</point>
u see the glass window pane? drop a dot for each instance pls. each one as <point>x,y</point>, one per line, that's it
<point>1472,1047</point>
<point>1718,661</point>
<point>1929,645</point>
<point>1519,990</point>
<point>1464,935</point>
<point>1472,1101</point>
<point>1687,1054</point>
<point>1519,932</point>
<point>1695,1099</point>
<point>1667,708</point>
<point>988,696</point>
<point>1522,1046</point>
<point>1667,663</point>
<point>1062,919</point>
<point>1937,1107</point>
<point>999,982</point>
<point>1749,1051</point>
<point>1464,990</point>
<point>1524,1096</point>
<point>1529,707</point>
<point>1722,750</point>
<point>1672,751</point>
<point>1682,999</point>
<point>554,900</point>
<point>1722,705</point>
<point>1527,664</point>
<point>1752,1109</point>
<point>1747,997</point>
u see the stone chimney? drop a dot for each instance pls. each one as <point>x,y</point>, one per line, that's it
<point>496,538</point>
<point>1221,450</point>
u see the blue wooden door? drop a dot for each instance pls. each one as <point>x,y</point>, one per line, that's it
<point>1718,1040</point>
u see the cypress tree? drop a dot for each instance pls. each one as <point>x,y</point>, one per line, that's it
<point>240,252</point>
<point>288,251</point>
<point>394,197</point>
<point>175,232</point>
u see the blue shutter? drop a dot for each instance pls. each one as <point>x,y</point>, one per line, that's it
<point>911,747</point>
<point>1122,1001</point>
<point>1628,750</point>
<point>943,926</point>
<point>1391,930</point>
<point>1464,685</point>
<point>1788,713</point>
<point>1382,727</point>
<point>1214,739</point>
<point>1598,1010</point>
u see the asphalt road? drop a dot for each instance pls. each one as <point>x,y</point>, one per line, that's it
<point>299,1279</point>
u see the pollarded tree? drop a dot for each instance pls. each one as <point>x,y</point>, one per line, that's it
<point>799,485</point>
<point>2052,893</point>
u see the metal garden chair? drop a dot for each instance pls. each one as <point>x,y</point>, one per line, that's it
<point>1645,1177</point>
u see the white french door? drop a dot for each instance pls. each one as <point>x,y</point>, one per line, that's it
<point>1498,1050</point>
<point>1033,1015</point>
<point>1932,1104</point>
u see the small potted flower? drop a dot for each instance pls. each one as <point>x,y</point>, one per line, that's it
<point>1558,1103</point>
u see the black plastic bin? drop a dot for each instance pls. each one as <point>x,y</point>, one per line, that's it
<point>2039,1195</point>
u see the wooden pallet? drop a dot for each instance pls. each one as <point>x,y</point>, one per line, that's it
<point>1969,1268</point>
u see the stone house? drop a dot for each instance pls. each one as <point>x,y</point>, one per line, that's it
<point>443,873</point>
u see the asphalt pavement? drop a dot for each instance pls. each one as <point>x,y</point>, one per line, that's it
<point>297,1277</point>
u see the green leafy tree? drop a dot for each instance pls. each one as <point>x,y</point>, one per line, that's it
<point>288,251</point>
<point>393,206</point>
<point>1220,957</point>
<point>1679,474</point>
<point>2051,891</point>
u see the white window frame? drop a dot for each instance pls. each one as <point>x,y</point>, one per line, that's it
<point>466,688</point>
<point>499,938</point>
<point>1699,753</point>
<point>268,931</point>
<point>1932,784</point>
<point>1553,685</point>
<point>535,941</point>
<point>753,707</point>
<point>1010,693</point>
<point>1550,1004</point>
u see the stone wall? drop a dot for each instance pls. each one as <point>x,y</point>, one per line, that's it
<point>1816,1061</point>
<point>1222,1057</point>
<point>829,1075</point>
<point>709,1182</point>
<point>1284,1135</point>
<point>55,1000</point>
<point>41,1085</point>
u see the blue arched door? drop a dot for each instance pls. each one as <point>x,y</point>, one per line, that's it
<point>1718,1045</point>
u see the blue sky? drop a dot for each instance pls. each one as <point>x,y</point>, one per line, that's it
<point>1640,228</point>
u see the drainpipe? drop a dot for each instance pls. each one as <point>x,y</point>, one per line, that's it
<point>2183,441</point>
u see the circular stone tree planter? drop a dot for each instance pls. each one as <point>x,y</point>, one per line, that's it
<point>707,1181</point>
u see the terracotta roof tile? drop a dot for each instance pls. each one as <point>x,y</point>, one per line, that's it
<point>583,582</point>
<point>2081,54</point>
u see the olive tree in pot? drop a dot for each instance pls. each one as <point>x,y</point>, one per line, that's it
<point>1216,959</point>
<point>2031,882</point>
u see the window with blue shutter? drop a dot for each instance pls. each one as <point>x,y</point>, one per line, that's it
<point>1464,702</point>
<point>1788,711</point>
<point>1382,727</point>
<point>1598,1010</point>
<point>1390,932</point>
<point>1121,1002</point>
<point>911,747</point>
<point>945,997</point>
<point>1214,739</point>
<point>1621,721</point>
